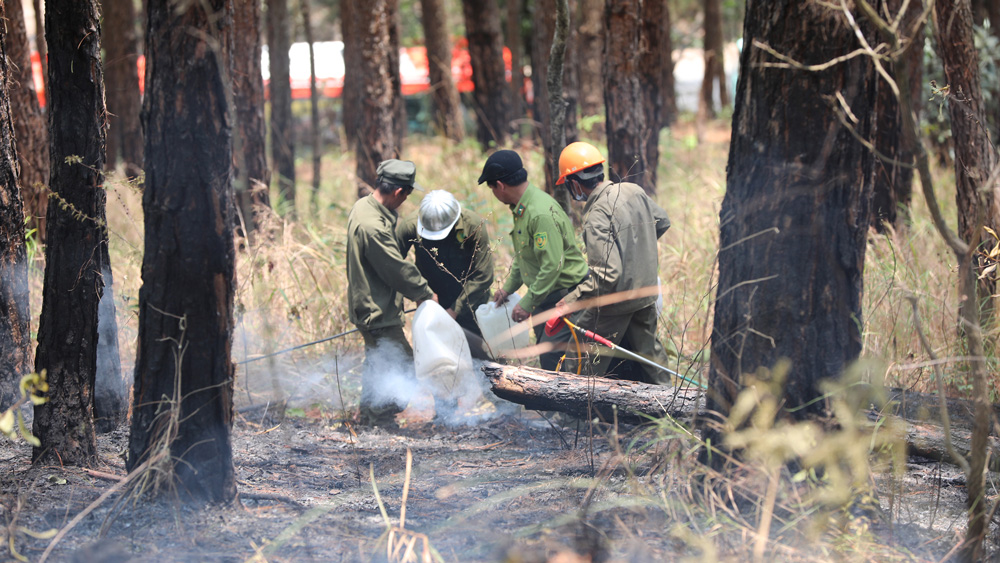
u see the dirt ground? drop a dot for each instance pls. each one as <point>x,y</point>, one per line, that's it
<point>517,487</point>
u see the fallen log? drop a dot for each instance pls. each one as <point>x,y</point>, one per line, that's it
<point>631,402</point>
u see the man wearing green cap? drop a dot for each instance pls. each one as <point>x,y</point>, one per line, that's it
<point>546,256</point>
<point>377,280</point>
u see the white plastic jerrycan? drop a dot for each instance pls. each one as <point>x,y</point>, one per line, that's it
<point>500,331</point>
<point>441,354</point>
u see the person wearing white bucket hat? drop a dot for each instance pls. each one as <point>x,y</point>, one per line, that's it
<point>452,251</point>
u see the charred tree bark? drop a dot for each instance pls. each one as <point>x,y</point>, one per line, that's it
<point>629,402</point>
<point>398,108</point>
<point>253,177</point>
<point>630,122</point>
<point>376,139</point>
<point>353,82</point>
<point>280,88</point>
<point>715,72</point>
<point>492,95</point>
<point>447,107</point>
<point>40,46</point>
<point>29,121</point>
<point>795,217</point>
<point>975,157</point>
<point>74,259</point>
<point>184,374</point>
<point>650,69</point>
<point>121,78</point>
<point>893,187</point>
<point>589,54</point>
<point>15,331</point>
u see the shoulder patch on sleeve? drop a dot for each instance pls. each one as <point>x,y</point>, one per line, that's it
<point>541,239</point>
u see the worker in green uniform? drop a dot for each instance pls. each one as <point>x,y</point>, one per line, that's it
<point>546,256</point>
<point>621,225</point>
<point>452,251</point>
<point>377,280</point>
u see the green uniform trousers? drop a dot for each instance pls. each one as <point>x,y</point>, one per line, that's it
<point>635,332</point>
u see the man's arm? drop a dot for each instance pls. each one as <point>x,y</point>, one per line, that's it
<point>481,276</point>
<point>382,253</point>
<point>550,259</point>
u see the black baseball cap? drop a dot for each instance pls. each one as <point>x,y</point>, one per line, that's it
<point>501,165</point>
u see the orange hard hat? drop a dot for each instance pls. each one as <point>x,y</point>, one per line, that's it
<point>576,157</point>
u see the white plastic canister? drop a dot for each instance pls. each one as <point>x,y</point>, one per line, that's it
<point>499,330</point>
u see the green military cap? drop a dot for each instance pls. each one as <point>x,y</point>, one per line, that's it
<point>399,173</point>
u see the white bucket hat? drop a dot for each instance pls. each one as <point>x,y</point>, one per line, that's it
<point>439,211</point>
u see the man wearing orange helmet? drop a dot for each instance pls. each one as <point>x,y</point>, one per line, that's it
<point>621,225</point>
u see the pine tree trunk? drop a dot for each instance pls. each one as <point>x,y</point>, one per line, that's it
<point>714,69</point>
<point>376,139</point>
<point>353,82</point>
<point>893,178</point>
<point>669,109</point>
<point>15,332</point>
<point>629,121</point>
<point>590,54</point>
<point>975,157</point>
<point>40,46</point>
<point>492,95</point>
<point>253,177</point>
<point>795,218</point>
<point>447,107</point>
<point>515,42</point>
<point>650,70</point>
<point>186,300</point>
<point>280,88</point>
<point>121,50</point>
<point>315,141</point>
<point>74,259</point>
<point>29,122</point>
<point>398,107</point>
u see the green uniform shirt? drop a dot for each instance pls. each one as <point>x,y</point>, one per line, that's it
<point>377,275</point>
<point>459,267</point>
<point>621,225</point>
<point>546,257</point>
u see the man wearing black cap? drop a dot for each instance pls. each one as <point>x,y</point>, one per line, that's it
<point>546,256</point>
<point>377,280</point>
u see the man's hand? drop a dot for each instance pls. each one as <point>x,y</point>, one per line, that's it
<point>433,298</point>
<point>451,312</point>
<point>519,314</point>
<point>500,297</point>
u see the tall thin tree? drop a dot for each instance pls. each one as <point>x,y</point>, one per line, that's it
<point>492,95</point>
<point>253,177</point>
<point>376,139</point>
<point>554,82</point>
<point>121,78</point>
<point>184,372</point>
<point>15,334</point>
<point>353,81</point>
<point>714,80</point>
<point>30,127</point>
<point>74,259</point>
<point>447,107</point>
<point>590,54</point>
<point>315,140</point>
<point>515,41</point>
<point>280,87</point>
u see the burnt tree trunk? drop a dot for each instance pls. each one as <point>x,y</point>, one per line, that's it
<point>253,177</point>
<point>280,89</point>
<point>121,78</point>
<point>794,220</point>
<point>629,121</point>
<point>15,333</point>
<point>376,139</point>
<point>184,374</point>
<point>893,187</point>
<point>492,95</point>
<point>715,72</point>
<point>29,121</point>
<point>398,108</point>
<point>353,82</point>
<point>589,54</point>
<point>447,107</point>
<point>74,259</point>
<point>975,157</point>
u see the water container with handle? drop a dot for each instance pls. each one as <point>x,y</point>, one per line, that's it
<point>499,330</point>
